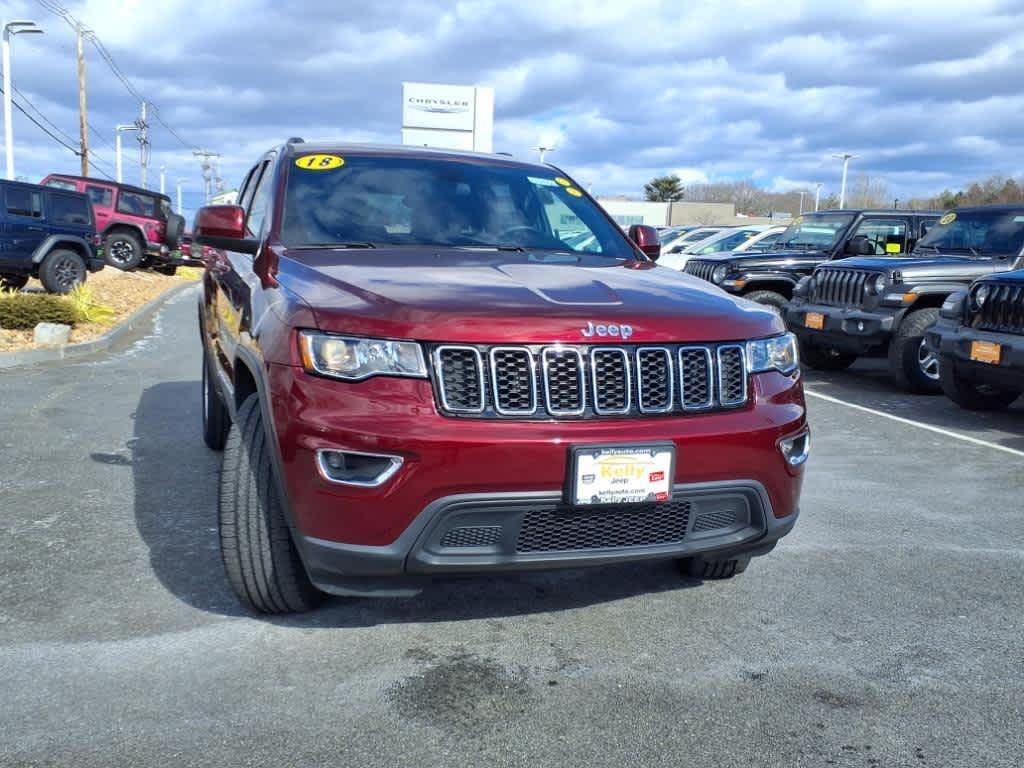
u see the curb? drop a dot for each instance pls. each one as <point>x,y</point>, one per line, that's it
<point>101,344</point>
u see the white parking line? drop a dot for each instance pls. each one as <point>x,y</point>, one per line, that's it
<point>919,425</point>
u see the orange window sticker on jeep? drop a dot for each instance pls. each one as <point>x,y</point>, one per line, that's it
<point>949,218</point>
<point>563,181</point>
<point>320,162</point>
<point>574,192</point>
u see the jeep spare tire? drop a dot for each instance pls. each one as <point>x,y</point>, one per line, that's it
<point>122,250</point>
<point>175,229</point>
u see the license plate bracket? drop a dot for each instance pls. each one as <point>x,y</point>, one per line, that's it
<point>638,473</point>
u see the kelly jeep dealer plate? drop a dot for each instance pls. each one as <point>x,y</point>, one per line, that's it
<point>621,474</point>
<point>986,352</point>
<point>814,320</point>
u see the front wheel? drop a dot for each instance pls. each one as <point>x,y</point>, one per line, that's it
<point>971,396</point>
<point>260,559</point>
<point>912,363</point>
<point>825,358</point>
<point>61,271</point>
<point>771,299</point>
<point>123,250</point>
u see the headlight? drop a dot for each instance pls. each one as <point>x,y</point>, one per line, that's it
<point>876,286</point>
<point>353,359</point>
<point>775,354</point>
<point>979,295</point>
<point>719,273</point>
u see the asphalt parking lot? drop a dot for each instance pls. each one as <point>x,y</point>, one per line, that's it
<point>885,631</point>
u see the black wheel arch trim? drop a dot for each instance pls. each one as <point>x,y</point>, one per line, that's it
<point>55,241</point>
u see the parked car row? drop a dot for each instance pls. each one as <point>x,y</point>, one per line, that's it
<point>67,226</point>
<point>941,295</point>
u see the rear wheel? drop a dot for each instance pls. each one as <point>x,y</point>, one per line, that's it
<point>826,358</point>
<point>260,558</point>
<point>701,568</point>
<point>971,396</point>
<point>771,299</point>
<point>123,250</point>
<point>912,363</point>
<point>61,271</point>
<point>13,282</point>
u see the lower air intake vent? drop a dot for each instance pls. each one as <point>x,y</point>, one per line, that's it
<point>472,536</point>
<point>548,529</point>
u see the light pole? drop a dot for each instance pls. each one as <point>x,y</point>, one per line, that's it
<point>117,147</point>
<point>163,169</point>
<point>178,185</point>
<point>801,202</point>
<point>817,194</point>
<point>20,27</point>
<point>845,157</point>
<point>543,151</point>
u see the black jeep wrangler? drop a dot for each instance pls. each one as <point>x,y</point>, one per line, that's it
<point>46,233</point>
<point>813,239</point>
<point>870,305</point>
<point>979,339</point>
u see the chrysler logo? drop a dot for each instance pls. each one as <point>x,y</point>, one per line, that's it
<point>622,331</point>
<point>440,106</point>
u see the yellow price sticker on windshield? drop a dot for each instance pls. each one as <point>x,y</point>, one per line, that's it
<point>892,248</point>
<point>320,162</point>
<point>949,218</point>
<point>563,181</point>
<point>574,192</point>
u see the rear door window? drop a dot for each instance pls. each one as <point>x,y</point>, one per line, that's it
<point>137,204</point>
<point>70,210</point>
<point>888,236</point>
<point>101,197</point>
<point>24,202</point>
<point>70,186</point>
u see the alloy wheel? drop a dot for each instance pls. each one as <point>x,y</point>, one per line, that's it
<point>928,361</point>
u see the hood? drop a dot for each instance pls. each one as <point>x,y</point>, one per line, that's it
<point>956,267</point>
<point>500,297</point>
<point>749,260</point>
<point>1016,277</point>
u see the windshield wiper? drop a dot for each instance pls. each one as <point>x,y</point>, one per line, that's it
<point>315,246</point>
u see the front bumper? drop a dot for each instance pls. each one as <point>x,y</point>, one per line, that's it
<point>480,473</point>
<point>952,341</point>
<point>847,329</point>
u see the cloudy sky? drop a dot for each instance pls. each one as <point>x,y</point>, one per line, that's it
<point>928,94</point>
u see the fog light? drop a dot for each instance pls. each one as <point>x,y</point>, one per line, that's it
<point>795,450</point>
<point>366,470</point>
<point>860,326</point>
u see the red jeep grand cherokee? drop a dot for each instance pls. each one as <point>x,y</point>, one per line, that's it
<point>422,362</point>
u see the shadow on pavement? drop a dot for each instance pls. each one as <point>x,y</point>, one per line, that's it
<point>176,485</point>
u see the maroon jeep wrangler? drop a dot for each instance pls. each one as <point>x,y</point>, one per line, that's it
<point>137,225</point>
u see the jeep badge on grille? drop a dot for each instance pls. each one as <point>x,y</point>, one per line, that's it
<point>622,331</point>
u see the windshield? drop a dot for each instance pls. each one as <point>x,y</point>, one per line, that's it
<point>411,201</point>
<point>725,241</point>
<point>815,230</point>
<point>765,242</point>
<point>978,232</point>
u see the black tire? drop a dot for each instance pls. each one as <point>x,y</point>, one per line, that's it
<point>972,396</point>
<point>174,230</point>
<point>216,419</point>
<point>61,271</point>
<point>710,570</point>
<point>771,299</point>
<point>123,250</point>
<point>13,282</point>
<point>826,358</point>
<point>260,558</point>
<point>912,365</point>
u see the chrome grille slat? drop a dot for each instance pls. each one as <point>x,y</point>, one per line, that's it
<point>583,381</point>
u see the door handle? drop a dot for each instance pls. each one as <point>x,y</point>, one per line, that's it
<point>34,229</point>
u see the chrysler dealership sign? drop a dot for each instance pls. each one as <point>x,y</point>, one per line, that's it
<point>450,116</point>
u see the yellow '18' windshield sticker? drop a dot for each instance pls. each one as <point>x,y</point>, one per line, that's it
<point>574,192</point>
<point>563,181</point>
<point>320,162</point>
<point>949,218</point>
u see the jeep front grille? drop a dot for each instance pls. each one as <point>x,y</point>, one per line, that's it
<point>840,287</point>
<point>701,269</point>
<point>1003,310</point>
<point>572,382</point>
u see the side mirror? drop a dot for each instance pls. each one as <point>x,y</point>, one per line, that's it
<point>860,246</point>
<point>223,226</point>
<point>647,239</point>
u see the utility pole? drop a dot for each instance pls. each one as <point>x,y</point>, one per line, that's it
<point>163,170</point>
<point>817,194</point>
<point>543,151</point>
<point>208,162</point>
<point>11,28</point>
<point>846,157</point>
<point>143,137</point>
<point>83,122</point>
